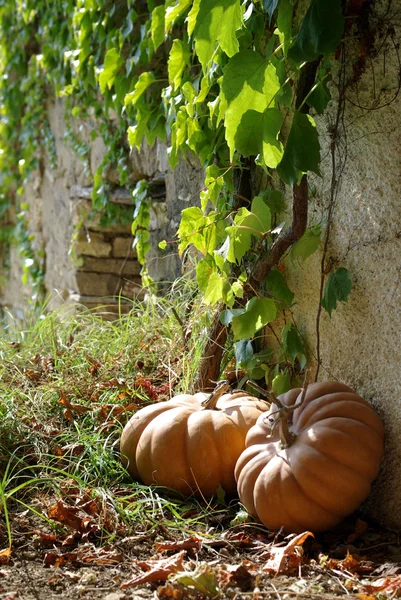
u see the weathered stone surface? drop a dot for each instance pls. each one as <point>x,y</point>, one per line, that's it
<point>122,247</point>
<point>110,265</point>
<point>92,243</point>
<point>106,284</point>
<point>82,212</point>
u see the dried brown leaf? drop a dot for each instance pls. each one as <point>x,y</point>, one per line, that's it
<point>191,543</point>
<point>5,556</point>
<point>157,570</point>
<point>287,558</point>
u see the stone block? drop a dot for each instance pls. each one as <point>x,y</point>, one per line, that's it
<point>92,243</point>
<point>122,247</point>
<point>81,208</point>
<point>110,265</point>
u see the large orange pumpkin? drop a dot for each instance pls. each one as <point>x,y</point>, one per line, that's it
<point>334,448</point>
<point>191,442</point>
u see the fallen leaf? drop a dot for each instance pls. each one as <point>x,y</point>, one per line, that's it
<point>351,564</point>
<point>203,579</point>
<point>73,517</point>
<point>157,570</point>
<point>70,408</point>
<point>289,557</point>
<point>191,543</point>
<point>384,584</point>
<point>237,575</point>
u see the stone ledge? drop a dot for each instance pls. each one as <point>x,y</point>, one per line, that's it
<point>114,266</point>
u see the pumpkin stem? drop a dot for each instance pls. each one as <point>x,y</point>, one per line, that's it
<point>283,413</point>
<point>221,388</point>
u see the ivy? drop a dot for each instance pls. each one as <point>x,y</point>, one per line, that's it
<point>221,79</point>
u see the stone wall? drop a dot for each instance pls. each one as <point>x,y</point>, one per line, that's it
<point>86,262</point>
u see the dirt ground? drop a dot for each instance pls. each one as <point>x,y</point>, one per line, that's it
<point>357,560</point>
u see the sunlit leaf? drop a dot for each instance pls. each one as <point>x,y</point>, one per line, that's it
<point>258,313</point>
<point>112,64</point>
<point>178,60</point>
<point>157,26</point>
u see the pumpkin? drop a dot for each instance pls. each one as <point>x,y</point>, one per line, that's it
<point>315,470</point>
<point>191,442</point>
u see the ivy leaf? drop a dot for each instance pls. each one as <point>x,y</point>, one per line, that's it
<point>193,15</point>
<point>270,6</point>
<point>320,31</point>
<point>144,81</point>
<point>277,286</point>
<point>337,289</point>
<point>284,23</point>
<point>178,60</point>
<point>292,343</point>
<point>216,21</point>
<point>302,152</point>
<point>258,313</point>
<point>308,244</point>
<point>112,64</point>
<point>174,10</point>
<point>257,133</point>
<point>274,199</point>
<point>243,352</point>
<point>281,384</point>
<point>249,83</point>
<point>321,96</point>
<point>217,290</point>
<point>262,214</point>
<point>157,26</point>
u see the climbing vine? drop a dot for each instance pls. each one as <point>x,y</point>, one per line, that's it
<point>230,81</point>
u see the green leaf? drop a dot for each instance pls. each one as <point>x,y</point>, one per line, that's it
<point>193,15</point>
<point>249,83</point>
<point>162,244</point>
<point>262,214</point>
<point>278,287</point>
<point>281,384</point>
<point>112,64</point>
<point>174,10</point>
<point>178,60</point>
<point>307,244</point>
<point>218,290</point>
<point>270,6</point>
<point>274,199</point>
<point>257,133</point>
<point>302,152</point>
<point>292,343</point>
<point>144,81</point>
<point>203,580</point>
<point>157,26</point>
<point>204,269</point>
<point>284,23</point>
<point>320,31</point>
<point>216,22</point>
<point>243,352</point>
<point>337,289</point>
<point>258,313</point>
<point>321,96</point>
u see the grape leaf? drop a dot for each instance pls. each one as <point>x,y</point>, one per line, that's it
<point>257,133</point>
<point>277,286</point>
<point>320,31</point>
<point>216,22</point>
<point>337,289</point>
<point>249,83</point>
<point>262,213</point>
<point>157,26</point>
<point>308,244</point>
<point>274,200</point>
<point>112,64</point>
<point>321,96</point>
<point>144,81</point>
<point>258,313</point>
<point>302,152</point>
<point>178,60</point>
<point>204,269</point>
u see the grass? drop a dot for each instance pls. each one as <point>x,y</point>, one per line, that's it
<point>69,381</point>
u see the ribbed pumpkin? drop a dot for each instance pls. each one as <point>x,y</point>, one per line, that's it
<point>191,442</point>
<point>335,445</point>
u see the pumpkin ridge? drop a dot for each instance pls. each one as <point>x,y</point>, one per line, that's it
<point>323,483</point>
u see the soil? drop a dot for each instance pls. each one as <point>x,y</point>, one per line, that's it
<point>236,563</point>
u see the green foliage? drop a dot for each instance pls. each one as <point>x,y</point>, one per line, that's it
<point>337,289</point>
<point>215,78</point>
